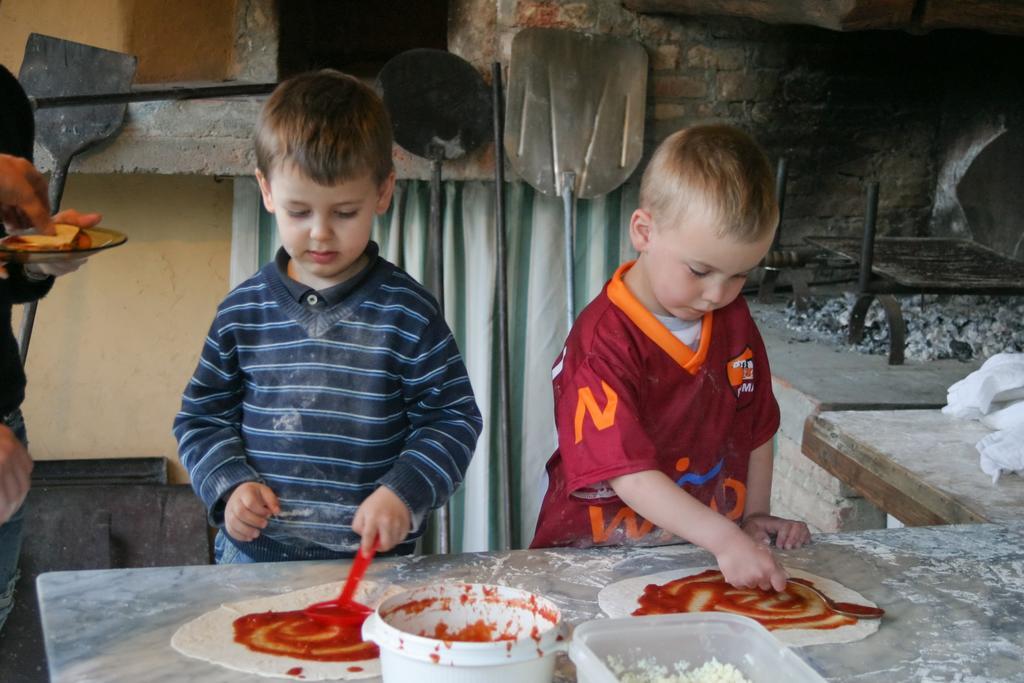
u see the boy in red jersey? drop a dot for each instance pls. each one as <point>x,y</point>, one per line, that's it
<point>663,396</point>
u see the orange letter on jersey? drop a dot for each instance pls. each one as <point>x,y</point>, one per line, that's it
<point>625,516</point>
<point>738,488</point>
<point>603,419</point>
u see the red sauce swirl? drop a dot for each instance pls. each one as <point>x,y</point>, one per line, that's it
<point>796,607</point>
<point>293,634</point>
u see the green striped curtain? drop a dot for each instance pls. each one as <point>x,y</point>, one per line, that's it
<point>536,263</point>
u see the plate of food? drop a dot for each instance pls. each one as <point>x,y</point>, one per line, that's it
<point>70,242</point>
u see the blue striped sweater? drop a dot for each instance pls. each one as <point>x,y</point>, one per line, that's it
<point>325,406</point>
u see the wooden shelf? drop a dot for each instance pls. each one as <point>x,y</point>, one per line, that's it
<point>919,466</point>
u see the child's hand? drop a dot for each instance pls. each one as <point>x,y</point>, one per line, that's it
<point>747,564</point>
<point>383,515</point>
<point>249,507</point>
<point>788,533</point>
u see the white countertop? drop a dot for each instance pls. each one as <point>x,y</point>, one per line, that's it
<point>953,597</point>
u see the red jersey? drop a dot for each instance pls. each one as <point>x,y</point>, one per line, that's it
<point>630,397</point>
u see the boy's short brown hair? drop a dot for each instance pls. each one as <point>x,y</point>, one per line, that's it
<point>332,126</point>
<point>716,168</point>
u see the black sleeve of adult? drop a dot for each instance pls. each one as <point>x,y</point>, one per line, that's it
<point>17,123</point>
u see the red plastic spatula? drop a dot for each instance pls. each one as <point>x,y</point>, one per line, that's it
<point>343,610</point>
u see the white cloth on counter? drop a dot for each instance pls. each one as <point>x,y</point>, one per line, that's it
<point>1005,415</point>
<point>994,395</point>
<point>1002,450</point>
<point>999,380</point>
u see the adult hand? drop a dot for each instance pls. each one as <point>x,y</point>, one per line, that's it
<point>382,515</point>
<point>23,201</point>
<point>15,473</point>
<point>248,510</point>
<point>55,268</point>
<point>58,268</point>
<point>788,533</point>
<point>82,220</point>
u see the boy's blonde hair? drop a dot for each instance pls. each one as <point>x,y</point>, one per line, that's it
<point>332,126</point>
<point>715,168</point>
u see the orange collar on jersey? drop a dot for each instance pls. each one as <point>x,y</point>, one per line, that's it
<point>687,359</point>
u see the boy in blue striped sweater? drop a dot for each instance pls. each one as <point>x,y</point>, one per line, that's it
<point>330,405</point>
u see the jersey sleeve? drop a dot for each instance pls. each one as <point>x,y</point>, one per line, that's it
<point>597,415</point>
<point>766,416</point>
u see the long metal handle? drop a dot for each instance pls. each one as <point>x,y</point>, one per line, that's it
<point>153,95</point>
<point>770,274</point>
<point>568,180</point>
<point>28,318</point>
<point>504,390</point>
<point>867,245</point>
<point>436,239</point>
<point>781,175</point>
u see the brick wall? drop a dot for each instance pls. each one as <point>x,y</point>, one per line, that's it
<point>800,488</point>
<point>845,108</point>
<point>803,490</point>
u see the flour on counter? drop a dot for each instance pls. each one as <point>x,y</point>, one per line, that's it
<point>650,671</point>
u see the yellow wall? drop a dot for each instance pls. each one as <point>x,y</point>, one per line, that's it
<point>94,22</point>
<point>174,40</point>
<point>182,40</point>
<point>116,342</point>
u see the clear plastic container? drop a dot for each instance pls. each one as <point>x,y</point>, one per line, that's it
<point>690,638</point>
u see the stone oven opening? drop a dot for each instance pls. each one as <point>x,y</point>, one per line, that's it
<point>355,36</point>
<point>937,120</point>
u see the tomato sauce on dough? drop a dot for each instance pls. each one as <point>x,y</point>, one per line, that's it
<point>293,634</point>
<point>796,607</point>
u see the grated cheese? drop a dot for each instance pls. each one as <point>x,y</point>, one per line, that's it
<point>650,671</point>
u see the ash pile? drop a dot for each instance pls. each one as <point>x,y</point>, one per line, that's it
<point>938,326</point>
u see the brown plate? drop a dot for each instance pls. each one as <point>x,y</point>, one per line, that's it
<point>102,238</point>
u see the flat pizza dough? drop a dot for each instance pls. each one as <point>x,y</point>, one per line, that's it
<point>211,637</point>
<point>619,599</point>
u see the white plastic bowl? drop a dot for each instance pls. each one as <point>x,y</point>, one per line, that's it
<point>406,654</point>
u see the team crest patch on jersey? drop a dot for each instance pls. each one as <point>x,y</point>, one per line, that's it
<point>740,371</point>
